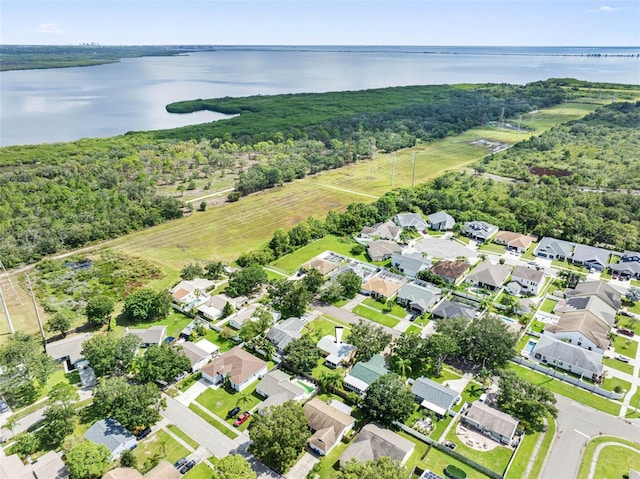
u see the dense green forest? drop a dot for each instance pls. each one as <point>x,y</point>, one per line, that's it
<point>599,151</point>
<point>62,196</point>
<point>27,57</point>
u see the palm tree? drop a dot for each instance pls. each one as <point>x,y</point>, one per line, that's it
<point>330,380</point>
<point>483,256</point>
<point>243,399</point>
<point>402,365</point>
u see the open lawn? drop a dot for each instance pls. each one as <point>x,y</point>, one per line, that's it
<point>159,443</point>
<point>200,471</point>
<point>219,401</point>
<point>376,316</point>
<point>523,454</point>
<point>213,422</point>
<point>216,338</point>
<point>544,448</point>
<point>175,323</point>
<point>396,309</point>
<point>610,384</point>
<point>625,346</point>
<point>614,461</point>
<point>492,248</point>
<point>495,459</point>
<point>619,365</point>
<point>325,325</point>
<point>548,306</point>
<point>565,389</point>
<point>178,432</point>
<point>437,460</point>
<point>341,245</point>
<point>630,323</point>
<point>413,329</point>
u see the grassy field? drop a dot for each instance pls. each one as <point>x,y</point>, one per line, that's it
<point>567,390</point>
<point>437,460</point>
<point>161,444</point>
<point>291,262</point>
<point>495,459</point>
<point>376,316</point>
<point>548,306</point>
<point>178,432</point>
<point>614,461</point>
<point>625,346</point>
<point>396,309</point>
<point>224,430</point>
<point>619,365</point>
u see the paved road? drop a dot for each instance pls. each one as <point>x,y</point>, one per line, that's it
<point>576,424</point>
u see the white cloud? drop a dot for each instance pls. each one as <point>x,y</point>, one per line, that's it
<point>50,29</point>
<point>608,9</point>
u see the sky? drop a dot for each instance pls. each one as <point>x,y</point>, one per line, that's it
<point>319,22</point>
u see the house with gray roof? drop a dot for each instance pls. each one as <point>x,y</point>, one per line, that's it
<point>364,373</point>
<point>435,396</point>
<point>480,231</point>
<point>149,336</point>
<point>525,281</point>
<point>626,270</point>
<point>498,425</point>
<point>277,388</point>
<point>113,435</point>
<point>418,296</point>
<point>388,230</point>
<point>197,356</point>
<point>374,442</point>
<point>489,276</point>
<point>630,256</point>
<point>284,332</point>
<point>554,352</point>
<point>603,290</point>
<point>450,309</point>
<point>441,221</point>
<point>595,305</point>
<point>337,353</point>
<point>68,351</point>
<point>590,257</point>
<point>552,248</point>
<point>380,250</point>
<point>410,264</point>
<point>410,220</point>
<point>47,466</point>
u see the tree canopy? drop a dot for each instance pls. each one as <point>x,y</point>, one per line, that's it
<point>233,466</point>
<point>279,435</point>
<point>246,281</point>
<point>87,460</point>
<point>108,354</point>
<point>369,339</point>
<point>146,305</point>
<point>389,399</point>
<point>302,354</point>
<point>161,363</point>
<point>382,468</point>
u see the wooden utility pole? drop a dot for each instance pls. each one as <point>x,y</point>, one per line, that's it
<point>35,307</point>
<point>6,312</point>
<point>413,179</point>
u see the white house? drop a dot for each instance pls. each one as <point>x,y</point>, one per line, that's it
<point>525,281</point>
<point>551,351</point>
<point>581,328</point>
<point>191,294</point>
<point>197,356</point>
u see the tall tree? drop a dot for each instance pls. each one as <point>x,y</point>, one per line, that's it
<point>146,305</point>
<point>110,355</point>
<point>87,460</point>
<point>411,348</point>
<point>489,341</point>
<point>99,309</point>
<point>439,346</point>
<point>289,297</point>
<point>60,322</point>
<point>214,270</point>
<point>351,283</point>
<point>233,466</point>
<point>369,339</point>
<point>389,399</point>
<point>192,271</point>
<point>246,281</point>
<point>162,363</point>
<point>313,281</point>
<point>382,468</point>
<point>302,354</point>
<point>279,435</point>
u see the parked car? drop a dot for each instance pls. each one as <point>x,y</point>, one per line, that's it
<point>233,412</point>
<point>622,358</point>
<point>450,445</point>
<point>4,407</point>
<point>242,418</point>
<point>626,332</point>
<point>188,466</point>
<point>180,462</point>
<point>170,340</point>
<point>142,434</point>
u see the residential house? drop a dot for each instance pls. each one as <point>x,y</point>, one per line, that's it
<point>164,470</point>
<point>602,290</point>
<point>514,241</point>
<point>374,442</point>
<point>208,346</point>
<point>481,231</point>
<point>497,425</point>
<point>362,270</point>
<point>435,396</point>
<point>68,351</point>
<point>489,276</point>
<point>418,296</point>
<point>277,388</point>
<point>552,248</point>
<point>592,258</point>
<point>327,424</point>
<point>626,270</point>
<point>113,435</point>
<point>380,250</point>
<point>325,263</point>
<point>601,309</point>
<point>575,359</point>
<point>383,285</point>
<point>149,336</point>
<point>410,264</point>
<point>197,356</point>
<point>364,373</point>
<point>441,221</point>
<point>87,375</point>
<point>449,309</point>
<point>337,353</point>
<point>238,366</point>
<point>525,281</point>
<point>237,319</point>
<point>450,271</point>
<point>388,231</point>
<point>213,308</point>
<point>191,294</point>
<point>630,256</point>
<point>410,220</point>
<point>581,328</point>
<point>47,466</point>
<point>284,332</point>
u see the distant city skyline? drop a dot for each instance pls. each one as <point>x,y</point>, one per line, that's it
<point>316,22</point>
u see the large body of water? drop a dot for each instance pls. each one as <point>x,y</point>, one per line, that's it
<point>64,104</point>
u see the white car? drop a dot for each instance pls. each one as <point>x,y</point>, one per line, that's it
<point>622,358</point>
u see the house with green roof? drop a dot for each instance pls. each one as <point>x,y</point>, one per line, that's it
<point>364,373</point>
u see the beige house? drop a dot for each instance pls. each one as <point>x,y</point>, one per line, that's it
<point>374,442</point>
<point>239,366</point>
<point>327,424</point>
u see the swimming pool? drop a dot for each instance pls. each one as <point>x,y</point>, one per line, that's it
<point>507,320</point>
<point>529,347</point>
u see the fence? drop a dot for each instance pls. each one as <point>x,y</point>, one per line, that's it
<point>569,379</point>
<point>446,450</point>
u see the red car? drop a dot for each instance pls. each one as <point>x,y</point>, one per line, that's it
<point>242,418</point>
<point>626,332</point>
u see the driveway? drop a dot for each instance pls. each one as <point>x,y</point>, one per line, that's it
<point>576,424</point>
<point>444,248</point>
<point>188,396</point>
